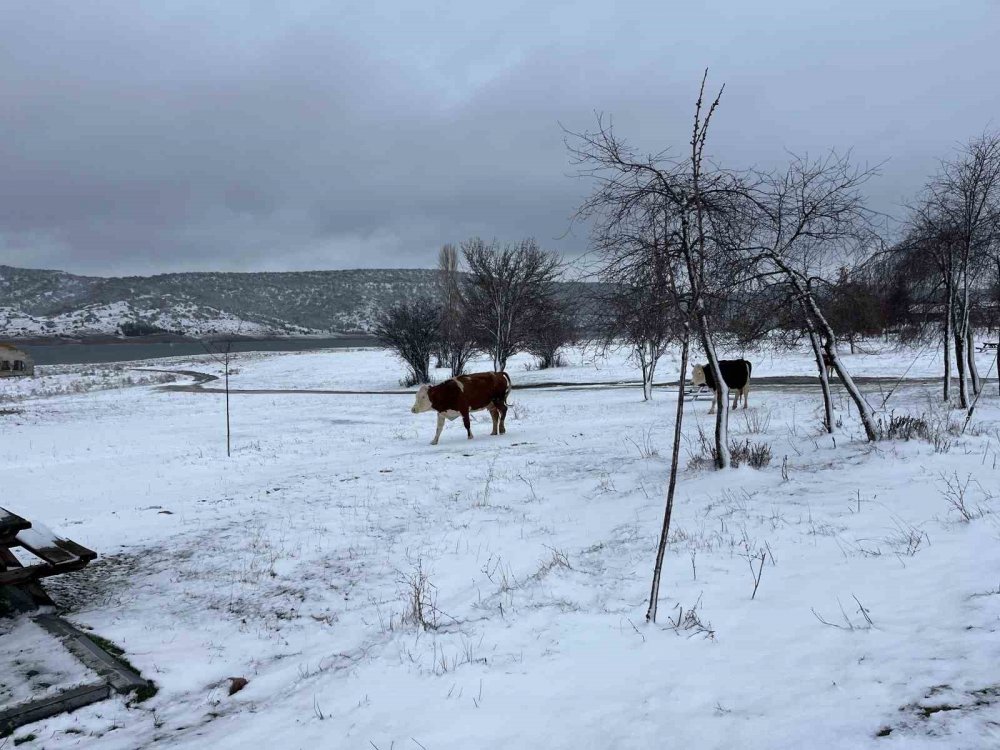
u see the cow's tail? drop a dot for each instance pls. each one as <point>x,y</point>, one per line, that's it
<point>510,385</point>
<point>749,368</point>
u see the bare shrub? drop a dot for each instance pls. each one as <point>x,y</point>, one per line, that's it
<point>757,421</point>
<point>942,443</point>
<point>690,621</point>
<point>517,410</point>
<point>939,432</point>
<point>553,326</point>
<point>755,455</point>
<point>907,539</point>
<point>644,445</point>
<point>420,599</point>
<point>557,559</point>
<point>904,427</point>
<point>956,492</point>
<point>483,499</point>
<point>865,623</point>
<point>411,330</point>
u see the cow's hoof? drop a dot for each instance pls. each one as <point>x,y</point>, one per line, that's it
<point>434,442</point>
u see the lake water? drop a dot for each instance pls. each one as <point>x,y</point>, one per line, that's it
<point>79,354</point>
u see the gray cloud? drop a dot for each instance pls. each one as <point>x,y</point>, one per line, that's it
<point>248,136</point>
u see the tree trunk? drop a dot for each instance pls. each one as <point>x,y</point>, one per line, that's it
<point>960,325</point>
<point>722,457</point>
<point>654,593</point>
<point>961,361</point>
<point>970,350</point>
<point>830,346</point>
<point>947,342</point>
<point>824,376</point>
<point>647,386</point>
<point>646,376</point>
<point>228,431</point>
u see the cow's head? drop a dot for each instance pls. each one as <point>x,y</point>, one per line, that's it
<point>698,375</point>
<point>423,402</point>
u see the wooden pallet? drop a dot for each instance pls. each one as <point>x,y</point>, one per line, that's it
<point>115,677</point>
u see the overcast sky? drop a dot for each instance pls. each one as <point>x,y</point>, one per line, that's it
<point>141,137</point>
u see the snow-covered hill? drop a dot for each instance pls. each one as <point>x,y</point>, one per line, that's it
<point>53,303</point>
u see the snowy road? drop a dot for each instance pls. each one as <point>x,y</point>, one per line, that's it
<point>770,383</point>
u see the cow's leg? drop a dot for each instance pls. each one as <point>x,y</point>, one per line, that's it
<point>437,435</point>
<point>466,422</point>
<point>495,416</point>
<point>746,393</point>
<point>736,401</point>
<point>502,408</point>
<point>711,409</point>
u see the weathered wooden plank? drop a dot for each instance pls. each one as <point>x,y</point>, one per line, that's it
<point>10,525</point>
<point>18,576</point>
<point>42,543</point>
<point>120,677</point>
<point>36,710</point>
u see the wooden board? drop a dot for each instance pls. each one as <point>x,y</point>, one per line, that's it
<point>119,676</point>
<point>43,708</point>
<point>10,525</point>
<point>52,548</point>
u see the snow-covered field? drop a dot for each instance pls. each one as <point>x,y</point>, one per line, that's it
<point>298,562</point>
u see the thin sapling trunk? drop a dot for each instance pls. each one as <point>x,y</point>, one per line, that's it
<point>654,593</point>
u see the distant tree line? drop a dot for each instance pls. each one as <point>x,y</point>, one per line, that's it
<point>139,328</point>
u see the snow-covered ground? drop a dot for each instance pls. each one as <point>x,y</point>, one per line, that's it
<point>297,564</point>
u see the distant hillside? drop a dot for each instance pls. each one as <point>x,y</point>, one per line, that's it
<point>37,303</point>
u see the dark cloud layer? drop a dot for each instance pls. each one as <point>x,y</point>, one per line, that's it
<point>142,137</point>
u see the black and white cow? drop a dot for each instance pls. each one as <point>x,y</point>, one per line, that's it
<point>735,374</point>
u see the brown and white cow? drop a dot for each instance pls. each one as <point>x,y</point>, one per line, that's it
<point>735,374</point>
<point>464,394</point>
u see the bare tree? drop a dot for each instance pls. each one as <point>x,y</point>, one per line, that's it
<point>951,243</point>
<point>504,288</point>
<point>221,351</point>
<point>805,222</point>
<point>411,330</point>
<point>553,327</point>
<point>455,341</point>
<point>958,223</point>
<point>638,309</point>
<point>852,307</point>
<point>693,202</point>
